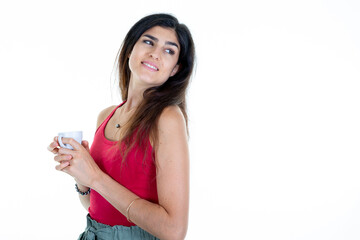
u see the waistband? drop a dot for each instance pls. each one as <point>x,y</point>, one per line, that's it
<point>98,231</point>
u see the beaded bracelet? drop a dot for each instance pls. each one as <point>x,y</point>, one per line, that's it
<point>80,192</point>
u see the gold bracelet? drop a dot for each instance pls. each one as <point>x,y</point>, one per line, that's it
<point>128,208</point>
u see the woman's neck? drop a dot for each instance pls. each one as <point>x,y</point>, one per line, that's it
<point>135,96</point>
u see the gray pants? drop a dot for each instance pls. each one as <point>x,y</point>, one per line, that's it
<point>99,231</point>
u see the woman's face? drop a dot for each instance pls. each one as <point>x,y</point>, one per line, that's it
<point>154,57</point>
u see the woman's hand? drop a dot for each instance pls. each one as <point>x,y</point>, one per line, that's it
<point>62,159</point>
<point>78,162</point>
<point>81,165</point>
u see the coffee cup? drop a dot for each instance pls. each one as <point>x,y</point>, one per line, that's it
<point>75,135</point>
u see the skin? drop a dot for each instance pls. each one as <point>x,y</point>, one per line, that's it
<point>169,218</point>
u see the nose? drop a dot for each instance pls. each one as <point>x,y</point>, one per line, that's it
<point>155,54</point>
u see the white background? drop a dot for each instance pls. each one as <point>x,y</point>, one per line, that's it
<point>273,107</point>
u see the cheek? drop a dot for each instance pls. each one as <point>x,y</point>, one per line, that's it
<point>130,64</point>
<point>132,61</point>
<point>171,67</point>
<point>134,53</point>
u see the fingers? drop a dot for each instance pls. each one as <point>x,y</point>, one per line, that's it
<point>53,147</point>
<point>62,165</point>
<point>62,157</point>
<point>72,142</point>
<point>85,145</point>
<point>63,154</point>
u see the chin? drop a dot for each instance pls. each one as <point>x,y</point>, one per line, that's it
<point>151,82</point>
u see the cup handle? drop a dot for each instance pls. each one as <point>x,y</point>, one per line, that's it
<point>60,142</point>
<point>68,146</point>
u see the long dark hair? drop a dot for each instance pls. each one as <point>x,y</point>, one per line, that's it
<point>143,124</point>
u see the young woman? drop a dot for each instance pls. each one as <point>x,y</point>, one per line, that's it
<point>134,181</point>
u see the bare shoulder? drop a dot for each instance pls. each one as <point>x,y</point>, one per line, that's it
<point>104,114</point>
<point>172,121</point>
<point>171,115</point>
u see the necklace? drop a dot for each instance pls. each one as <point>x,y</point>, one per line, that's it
<point>118,124</point>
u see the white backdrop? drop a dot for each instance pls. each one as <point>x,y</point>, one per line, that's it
<point>274,113</point>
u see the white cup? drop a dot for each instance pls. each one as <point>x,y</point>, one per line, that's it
<point>75,135</point>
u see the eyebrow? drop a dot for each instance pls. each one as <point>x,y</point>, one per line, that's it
<point>156,40</point>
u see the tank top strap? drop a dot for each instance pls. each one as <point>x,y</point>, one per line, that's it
<point>108,117</point>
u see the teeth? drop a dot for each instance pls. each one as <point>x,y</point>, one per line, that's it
<point>150,66</point>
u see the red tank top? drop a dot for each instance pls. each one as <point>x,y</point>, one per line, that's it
<point>135,174</point>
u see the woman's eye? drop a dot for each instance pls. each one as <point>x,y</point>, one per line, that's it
<point>148,42</point>
<point>171,52</point>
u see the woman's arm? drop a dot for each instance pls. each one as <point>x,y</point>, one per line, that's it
<point>169,218</point>
<point>84,199</point>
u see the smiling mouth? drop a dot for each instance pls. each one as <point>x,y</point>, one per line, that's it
<point>150,66</point>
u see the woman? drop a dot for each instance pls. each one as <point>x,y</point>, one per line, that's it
<point>134,181</point>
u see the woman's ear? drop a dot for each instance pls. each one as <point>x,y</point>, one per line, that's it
<point>175,70</point>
